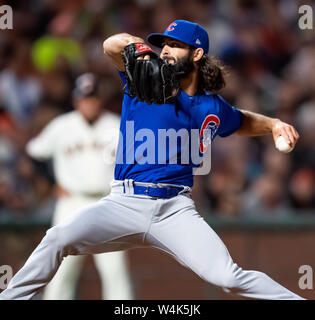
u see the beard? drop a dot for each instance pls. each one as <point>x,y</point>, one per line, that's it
<point>182,66</point>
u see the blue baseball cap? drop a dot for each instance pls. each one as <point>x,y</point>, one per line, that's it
<point>184,31</point>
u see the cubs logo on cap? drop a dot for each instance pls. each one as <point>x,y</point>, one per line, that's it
<point>185,31</point>
<point>171,26</point>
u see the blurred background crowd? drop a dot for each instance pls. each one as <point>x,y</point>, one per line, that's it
<point>272,71</point>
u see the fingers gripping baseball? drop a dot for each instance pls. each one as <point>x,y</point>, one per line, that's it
<point>285,136</point>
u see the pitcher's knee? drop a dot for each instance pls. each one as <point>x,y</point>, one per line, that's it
<point>51,236</point>
<point>231,283</point>
<point>225,278</point>
<point>56,237</point>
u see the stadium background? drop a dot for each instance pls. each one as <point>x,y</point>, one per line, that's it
<point>260,201</point>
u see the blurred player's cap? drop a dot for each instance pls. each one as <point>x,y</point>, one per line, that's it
<point>86,85</point>
<point>184,31</point>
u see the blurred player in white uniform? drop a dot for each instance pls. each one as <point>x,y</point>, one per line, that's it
<point>82,147</point>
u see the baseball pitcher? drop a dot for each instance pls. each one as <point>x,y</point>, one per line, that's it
<point>82,145</point>
<point>167,98</point>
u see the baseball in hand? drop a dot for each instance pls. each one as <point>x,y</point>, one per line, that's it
<point>282,145</point>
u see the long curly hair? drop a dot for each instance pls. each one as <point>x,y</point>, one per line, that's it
<point>212,74</point>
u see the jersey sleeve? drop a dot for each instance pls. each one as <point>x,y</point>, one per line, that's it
<point>230,118</point>
<point>42,147</point>
<point>122,77</point>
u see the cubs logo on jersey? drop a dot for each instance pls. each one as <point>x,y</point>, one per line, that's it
<point>208,129</point>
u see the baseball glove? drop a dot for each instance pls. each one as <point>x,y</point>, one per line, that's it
<point>153,81</point>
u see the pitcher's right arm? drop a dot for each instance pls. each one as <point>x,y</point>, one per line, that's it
<point>114,46</point>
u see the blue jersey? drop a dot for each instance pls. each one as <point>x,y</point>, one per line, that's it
<point>145,153</point>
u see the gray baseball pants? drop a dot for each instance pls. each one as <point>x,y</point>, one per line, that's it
<point>123,221</point>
